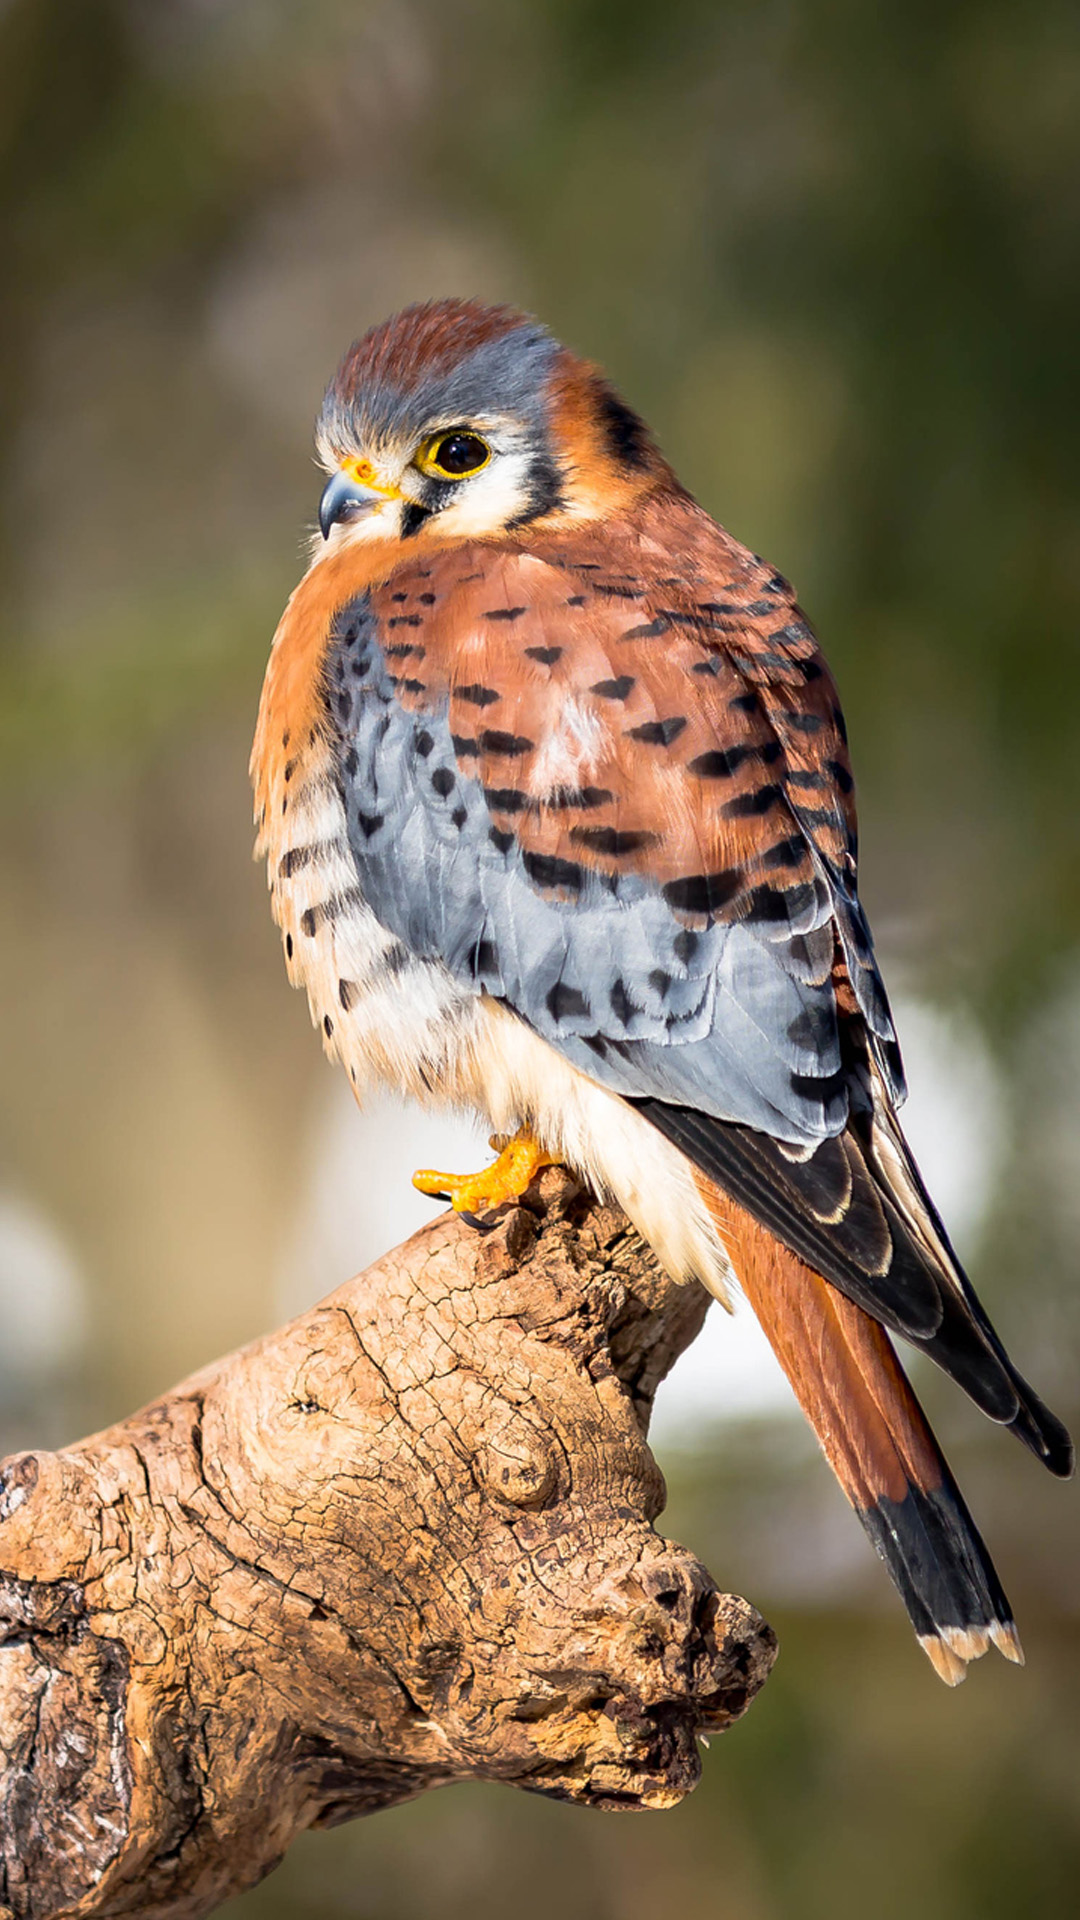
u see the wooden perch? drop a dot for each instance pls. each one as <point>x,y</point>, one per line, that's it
<point>406,1540</point>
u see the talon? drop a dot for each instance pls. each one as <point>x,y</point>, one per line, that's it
<point>517,1166</point>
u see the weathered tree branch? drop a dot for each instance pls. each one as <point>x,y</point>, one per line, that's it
<point>404,1541</point>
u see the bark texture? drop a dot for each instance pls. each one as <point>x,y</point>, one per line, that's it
<point>404,1541</point>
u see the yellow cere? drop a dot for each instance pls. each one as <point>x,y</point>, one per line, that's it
<point>364,474</point>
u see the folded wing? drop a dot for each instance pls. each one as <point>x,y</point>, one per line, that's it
<point>606,781</point>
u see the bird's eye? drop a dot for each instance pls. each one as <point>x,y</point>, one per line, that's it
<point>450,456</point>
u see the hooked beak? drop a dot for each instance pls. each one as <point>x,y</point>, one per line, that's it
<point>345,496</point>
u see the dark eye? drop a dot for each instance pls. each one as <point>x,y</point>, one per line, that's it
<point>455,454</point>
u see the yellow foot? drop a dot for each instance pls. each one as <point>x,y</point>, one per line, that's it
<point>517,1166</point>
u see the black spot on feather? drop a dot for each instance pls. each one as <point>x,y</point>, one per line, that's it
<point>786,853</point>
<point>610,840</point>
<point>815,818</point>
<point>650,629</point>
<point>814,1027</point>
<point>719,764</point>
<point>510,744</point>
<point>658,733</point>
<point>508,800</point>
<point>477,696</point>
<point>703,892</point>
<point>771,905</point>
<point>621,1004</point>
<point>548,871</point>
<point>747,806</point>
<point>614,689</point>
<point>566,1002</point>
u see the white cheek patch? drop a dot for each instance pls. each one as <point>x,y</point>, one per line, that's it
<point>491,499</point>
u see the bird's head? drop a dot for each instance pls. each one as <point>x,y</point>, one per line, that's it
<point>465,421</point>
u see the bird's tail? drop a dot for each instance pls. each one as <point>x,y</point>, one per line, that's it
<point>875,1436</point>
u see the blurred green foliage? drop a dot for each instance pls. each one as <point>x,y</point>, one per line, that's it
<point>833,252</point>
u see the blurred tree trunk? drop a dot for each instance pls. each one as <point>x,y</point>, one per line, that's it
<point>406,1540</point>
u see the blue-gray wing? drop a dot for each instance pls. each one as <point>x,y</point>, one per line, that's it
<point>619,801</point>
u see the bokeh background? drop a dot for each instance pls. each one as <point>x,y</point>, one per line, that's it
<point>833,252</point>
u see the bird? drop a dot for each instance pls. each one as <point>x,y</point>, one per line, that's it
<point>553,785</point>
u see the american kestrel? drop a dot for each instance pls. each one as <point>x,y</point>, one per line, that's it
<point>554,788</point>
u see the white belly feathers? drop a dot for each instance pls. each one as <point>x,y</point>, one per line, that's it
<point>395,1019</point>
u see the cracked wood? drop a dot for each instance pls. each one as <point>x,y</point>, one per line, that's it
<point>403,1541</point>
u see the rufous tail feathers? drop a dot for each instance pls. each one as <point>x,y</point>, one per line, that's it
<point>850,1386</point>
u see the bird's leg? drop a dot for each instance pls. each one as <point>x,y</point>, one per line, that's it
<point>520,1160</point>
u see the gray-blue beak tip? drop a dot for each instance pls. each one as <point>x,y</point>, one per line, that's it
<point>342,499</point>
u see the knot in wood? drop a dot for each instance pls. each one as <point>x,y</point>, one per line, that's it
<point>513,1460</point>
